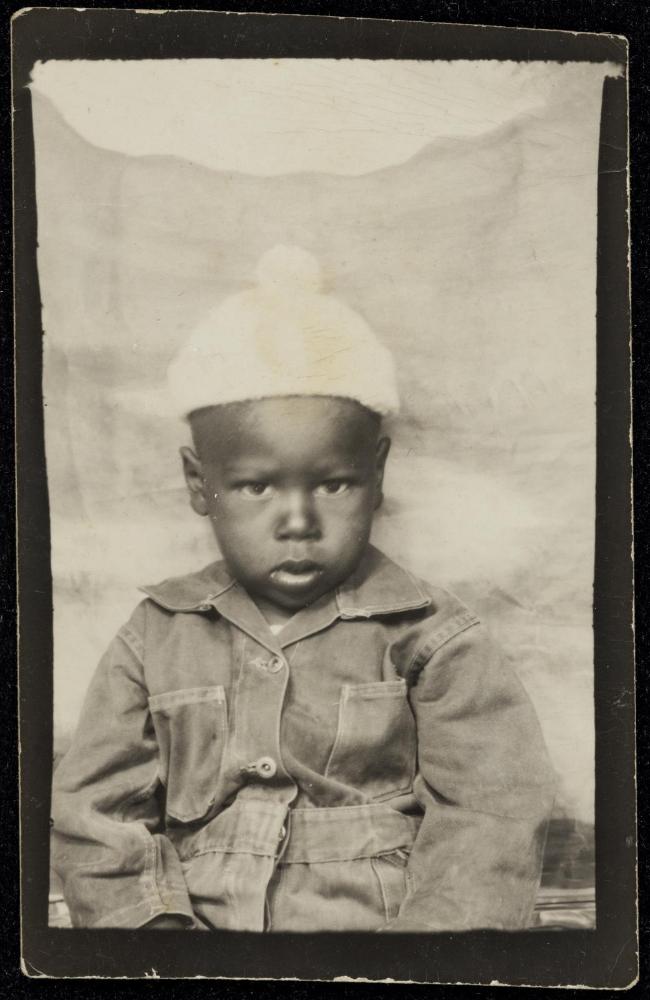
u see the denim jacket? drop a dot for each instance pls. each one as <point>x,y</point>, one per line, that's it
<point>374,766</point>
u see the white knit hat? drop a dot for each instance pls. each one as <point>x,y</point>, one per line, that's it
<point>283,337</point>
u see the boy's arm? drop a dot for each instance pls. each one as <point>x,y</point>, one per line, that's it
<point>487,789</point>
<point>117,870</point>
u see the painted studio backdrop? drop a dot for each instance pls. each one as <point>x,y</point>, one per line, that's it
<point>454,205</point>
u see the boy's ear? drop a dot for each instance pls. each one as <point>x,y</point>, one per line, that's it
<point>193,472</point>
<point>383,447</point>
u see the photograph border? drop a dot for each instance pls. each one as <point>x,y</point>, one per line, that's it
<point>604,957</point>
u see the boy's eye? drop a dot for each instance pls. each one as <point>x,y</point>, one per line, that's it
<point>333,487</point>
<point>255,490</point>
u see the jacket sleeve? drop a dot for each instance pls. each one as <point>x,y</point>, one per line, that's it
<point>117,870</point>
<point>486,786</point>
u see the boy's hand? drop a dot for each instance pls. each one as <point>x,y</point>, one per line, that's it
<point>168,922</point>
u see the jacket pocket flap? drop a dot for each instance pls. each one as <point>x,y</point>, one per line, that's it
<point>375,689</point>
<point>186,696</point>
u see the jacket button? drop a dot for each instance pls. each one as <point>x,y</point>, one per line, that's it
<point>265,767</point>
<point>274,665</point>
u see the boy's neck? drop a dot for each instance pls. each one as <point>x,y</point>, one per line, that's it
<point>273,614</point>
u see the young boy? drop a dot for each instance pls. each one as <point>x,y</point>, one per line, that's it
<point>301,736</point>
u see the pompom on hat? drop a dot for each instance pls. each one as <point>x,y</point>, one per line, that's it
<point>283,337</point>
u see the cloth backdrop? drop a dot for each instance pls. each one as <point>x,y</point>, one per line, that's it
<point>474,260</point>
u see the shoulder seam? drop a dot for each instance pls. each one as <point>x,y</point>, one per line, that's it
<point>132,641</point>
<point>432,643</point>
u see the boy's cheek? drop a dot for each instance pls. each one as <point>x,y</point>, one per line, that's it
<point>233,509</point>
<point>359,509</point>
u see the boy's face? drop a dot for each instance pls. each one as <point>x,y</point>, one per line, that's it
<point>290,485</point>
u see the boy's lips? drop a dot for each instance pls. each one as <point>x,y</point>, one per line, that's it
<point>296,573</point>
<point>298,566</point>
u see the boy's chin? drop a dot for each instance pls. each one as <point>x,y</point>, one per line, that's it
<point>290,595</point>
<point>295,599</point>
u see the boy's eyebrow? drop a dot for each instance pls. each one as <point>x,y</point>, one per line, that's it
<point>251,468</point>
<point>248,469</point>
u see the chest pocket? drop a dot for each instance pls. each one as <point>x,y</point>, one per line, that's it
<point>375,746</point>
<point>191,726</point>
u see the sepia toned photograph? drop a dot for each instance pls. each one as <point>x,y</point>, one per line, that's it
<point>319,389</point>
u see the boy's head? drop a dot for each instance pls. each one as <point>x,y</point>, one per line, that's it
<point>290,485</point>
<point>284,388</point>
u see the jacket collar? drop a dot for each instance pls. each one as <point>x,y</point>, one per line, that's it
<point>377,587</point>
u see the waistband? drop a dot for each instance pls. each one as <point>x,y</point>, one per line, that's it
<point>346,832</point>
<point>299,836</point>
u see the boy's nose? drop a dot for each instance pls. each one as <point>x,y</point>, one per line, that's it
<point>298,518</point>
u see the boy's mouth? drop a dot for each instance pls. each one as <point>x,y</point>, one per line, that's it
<point>296,573</point>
